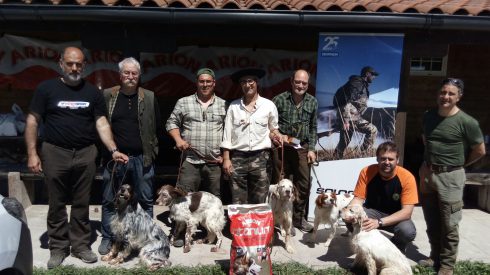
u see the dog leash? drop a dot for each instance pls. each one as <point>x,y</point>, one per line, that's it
<point>113,172</point>
<point>198,153</point>
<point>316,163</point>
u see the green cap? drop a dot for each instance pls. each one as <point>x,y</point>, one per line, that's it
<point>205,71</point>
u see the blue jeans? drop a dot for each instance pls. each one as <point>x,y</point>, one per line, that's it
<point>133,173</point>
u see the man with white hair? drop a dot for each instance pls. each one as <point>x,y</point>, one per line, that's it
<point>134,115</point>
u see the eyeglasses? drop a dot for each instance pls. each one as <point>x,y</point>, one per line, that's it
<point>76,64</point>
<point>454,81</point>
<point>247,81</point>
<point>299,82</point>
<point>128,73</point>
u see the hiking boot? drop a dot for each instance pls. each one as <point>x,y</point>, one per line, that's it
<point>87,256</point>
<point>445,271</point>
<point>304,226</point>
<point>179,243</point>
<point>427,263</point>
<point>105,246</point>
<point>56,258</point>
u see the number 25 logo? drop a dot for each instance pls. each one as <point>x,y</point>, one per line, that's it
<point>330,43</point>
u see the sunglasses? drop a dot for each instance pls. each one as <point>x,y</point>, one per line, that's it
<point>455,82</point>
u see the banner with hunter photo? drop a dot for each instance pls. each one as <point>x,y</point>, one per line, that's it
<point>357,85</point>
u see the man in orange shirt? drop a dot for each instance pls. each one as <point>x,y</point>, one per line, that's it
<point>389,194</point>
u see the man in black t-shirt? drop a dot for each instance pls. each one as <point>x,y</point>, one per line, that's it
<point>134,116</point>
<point>73,112</point>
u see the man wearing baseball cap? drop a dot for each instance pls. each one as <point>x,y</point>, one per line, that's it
<point>196,124</point>
<point>350,100</point>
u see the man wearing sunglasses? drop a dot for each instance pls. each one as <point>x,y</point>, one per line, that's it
<point>297,122</point>
<point>453,140</point>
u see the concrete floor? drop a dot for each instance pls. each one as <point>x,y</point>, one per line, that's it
<point>474,244</point>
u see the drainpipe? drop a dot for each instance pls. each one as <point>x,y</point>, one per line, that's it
<point>185,16</point>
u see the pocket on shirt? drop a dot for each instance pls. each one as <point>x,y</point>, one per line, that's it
<point>261,126</point>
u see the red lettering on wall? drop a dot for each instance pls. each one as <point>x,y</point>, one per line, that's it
<point>15,56</point>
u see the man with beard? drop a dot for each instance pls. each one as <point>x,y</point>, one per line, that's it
<point>134,116</point>
<point>251,122</point>
<point>297,121</point>
<point>389,194</point>
<point>350,100</point>
<point>73,112</point>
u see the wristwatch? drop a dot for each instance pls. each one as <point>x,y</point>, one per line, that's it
<point>380,223</point>
<point>113,150</point>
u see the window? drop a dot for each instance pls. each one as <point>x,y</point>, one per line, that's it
<point>428,66</point>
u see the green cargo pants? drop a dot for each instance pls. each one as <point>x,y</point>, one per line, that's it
<point>442,203</point>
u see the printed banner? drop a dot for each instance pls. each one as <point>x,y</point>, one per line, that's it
<point>25,62</point>
<point>358,78</point>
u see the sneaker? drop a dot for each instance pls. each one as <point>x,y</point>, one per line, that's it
<point>87,256</point>
<point>56,259</point>
<point>304,226</point>
<point>105,246</point>
<point>179,243</point>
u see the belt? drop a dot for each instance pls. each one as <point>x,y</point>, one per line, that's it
<point>69,148</point>
<point>248,153</point>
<point>443,168</point>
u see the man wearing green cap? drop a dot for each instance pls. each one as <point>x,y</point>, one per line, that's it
<point>196,124</point>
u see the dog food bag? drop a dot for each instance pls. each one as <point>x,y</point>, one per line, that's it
<point>252,226</point>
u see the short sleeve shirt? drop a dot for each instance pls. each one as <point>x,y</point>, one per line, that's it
<point>389,195</point>
<point>449,139</point>
<point>69,113</point>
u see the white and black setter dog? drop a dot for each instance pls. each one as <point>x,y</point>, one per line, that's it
<point>191,209</point>
<point>134,229</point>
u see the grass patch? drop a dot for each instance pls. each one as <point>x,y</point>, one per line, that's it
<point>462,268</point>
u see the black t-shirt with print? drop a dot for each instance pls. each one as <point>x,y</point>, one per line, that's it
<point>68,113</point>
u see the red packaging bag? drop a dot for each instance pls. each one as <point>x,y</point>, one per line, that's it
<point>252,226</point>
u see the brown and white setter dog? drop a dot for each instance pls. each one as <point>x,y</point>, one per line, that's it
<point>134,229</point>
<point>327,211</point>
<point>192,209</point>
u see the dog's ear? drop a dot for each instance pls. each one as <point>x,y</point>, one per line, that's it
<point>295,195</point>
<point>178,192</point>
<point>319,199</point>
<point>276,194</point>
<point>195,201</point>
